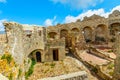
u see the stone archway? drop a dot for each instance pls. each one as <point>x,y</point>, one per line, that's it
<point>76,30</point>
<point>52,35</point>
<point>36,55</point>
<point>100,33</point>
<point>63,33</point>
<point>114,28</point>
<point>87,32</point>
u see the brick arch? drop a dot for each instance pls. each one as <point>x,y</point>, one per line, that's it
<point>33,48</point>
<point>87,32</point>
<point>75,30</point>
<point>52,35</point>
<point>100,32</point>
<point>63,33</point>
<point>114,28</point>
<point>36,55</point>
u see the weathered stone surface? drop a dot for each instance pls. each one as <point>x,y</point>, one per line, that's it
<point>82,75</point>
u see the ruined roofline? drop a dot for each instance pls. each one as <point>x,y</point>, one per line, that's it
<point>92,17</point>
<point>24,25</point>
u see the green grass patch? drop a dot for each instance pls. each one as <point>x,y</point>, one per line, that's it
<point>110,66</point>
<point>52,65</point>
<point>20,72</point>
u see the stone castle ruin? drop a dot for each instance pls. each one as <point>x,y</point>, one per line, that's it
<point>52,43</point>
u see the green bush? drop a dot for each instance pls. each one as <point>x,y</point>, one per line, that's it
<point>30,71</point>
<point>20,72</point>
<point>10,77</point>
<point>8,57</point>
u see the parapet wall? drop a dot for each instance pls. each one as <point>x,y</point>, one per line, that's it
<point>82,75</point>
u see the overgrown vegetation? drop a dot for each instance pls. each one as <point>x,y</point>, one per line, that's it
<point>10,76</point>
<point>20,72</point>
<point>8,67</point>
<point>8,57</point>
<point>110,51</point>
<point>111,66</point>
<point>52,65</point>
<point>30,71</point>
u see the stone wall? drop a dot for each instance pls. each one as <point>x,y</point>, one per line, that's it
<point>117,60</point>
<point>57,44</point>
<point>82,75</point>
<point>3,38</point>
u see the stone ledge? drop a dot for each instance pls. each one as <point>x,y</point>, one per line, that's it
<point>82,75</point>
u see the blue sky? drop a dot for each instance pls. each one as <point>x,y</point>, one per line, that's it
<point>51,12</point>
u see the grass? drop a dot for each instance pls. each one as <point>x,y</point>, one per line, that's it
<point>111,73</point>
<point>20,72</point>
<point>30,71</point>
<point>110,51</point>
<point>52,65</point>
<point>10,77</point>
<point>110,66</point>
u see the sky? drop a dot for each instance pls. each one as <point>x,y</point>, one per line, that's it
<point>52,12</point>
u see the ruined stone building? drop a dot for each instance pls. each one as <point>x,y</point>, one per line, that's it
<point>51,43</point>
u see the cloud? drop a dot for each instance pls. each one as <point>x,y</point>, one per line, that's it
<point>89,13</point>
<point>1,24</point>
<point>3,1</point>
<point>78,4</point>
<point>50,22</point>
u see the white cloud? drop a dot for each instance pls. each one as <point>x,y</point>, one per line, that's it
<point>1,24</point>
<point>50,22</point>
<point>89,13</point>
<point>3,1</point>
<point>116,8</point>
<point>77,4</point>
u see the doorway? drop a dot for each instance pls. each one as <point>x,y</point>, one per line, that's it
<point>55,55</point>
<point>38,56</point>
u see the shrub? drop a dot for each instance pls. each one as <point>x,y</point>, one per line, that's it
<point>30,71</point>
<point>8,57</point>
<point>20,72</point>
<point>10,77</point>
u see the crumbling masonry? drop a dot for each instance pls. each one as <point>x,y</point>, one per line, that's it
<point>50,43</point>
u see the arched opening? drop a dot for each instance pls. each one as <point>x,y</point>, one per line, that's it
<point>52,35</point>
<point>38,56</point>
<point>100,33</point>
<point>63,33</point>
<point>87,32</point>
<point>75,30</point>
<point>35,55</point>
<point>114,28</point>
